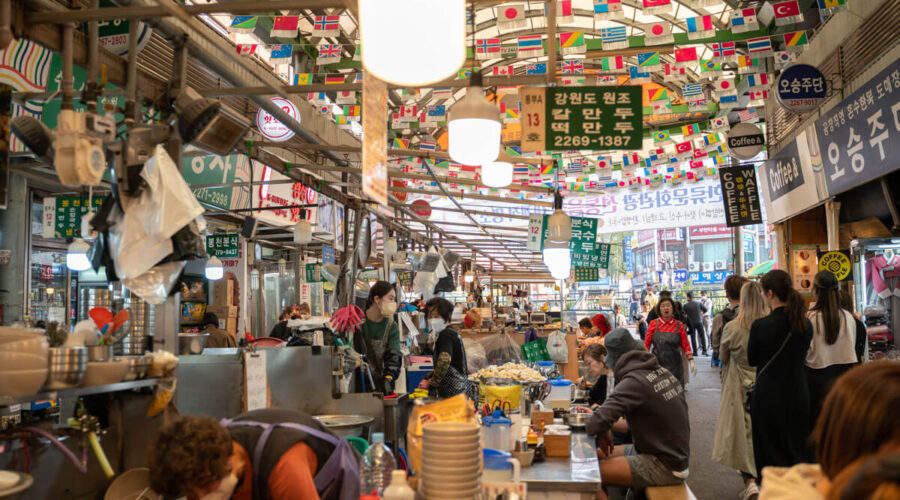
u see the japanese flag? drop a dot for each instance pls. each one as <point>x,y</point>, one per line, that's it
<point>511,16</point>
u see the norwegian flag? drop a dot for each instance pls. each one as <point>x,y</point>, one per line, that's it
<point>573,67</point>
<point>327,26</point>
<point>723,50</point>
<point>502,70</point>
<point>486,48</point>
<point>246,49</point>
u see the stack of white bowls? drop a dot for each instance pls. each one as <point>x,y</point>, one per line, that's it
<point>23,361</point>
<point>451,461</point>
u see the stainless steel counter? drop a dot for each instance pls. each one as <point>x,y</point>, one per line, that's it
<point>580,473</point>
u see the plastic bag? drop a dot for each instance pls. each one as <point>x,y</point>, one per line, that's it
<point>501,348</point>
<point>557,347</point>
<point>476,357</point>
<point>154,285</point>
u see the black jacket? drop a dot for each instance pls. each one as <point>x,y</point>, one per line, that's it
<point>693,310</point>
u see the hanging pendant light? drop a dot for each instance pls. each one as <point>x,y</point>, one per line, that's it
<point>282,267</point>
<point>302,233</point>
<point>412,42</point>
<point>254,279</point>
<point>497,174</point>
<point>390,247</point>
<point>557,255</point>
<point>559,225</point>
<point>76,256</point>
<point>474,127</point>
<point>214,269</point>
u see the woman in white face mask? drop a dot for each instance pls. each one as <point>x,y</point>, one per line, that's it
<point>450,374</point>
<point>379,335</point>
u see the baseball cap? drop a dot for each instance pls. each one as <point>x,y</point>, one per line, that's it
<point>618,342</point>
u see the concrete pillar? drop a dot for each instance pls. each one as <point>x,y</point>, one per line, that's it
<point>832,224</point>
<point>15,230</point>
<point>780,244</point>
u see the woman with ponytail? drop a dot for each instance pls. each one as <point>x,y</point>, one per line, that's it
<point>832,351</point>
<point>779,404</point>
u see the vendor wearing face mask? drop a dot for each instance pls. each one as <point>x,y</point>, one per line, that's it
<point>199,458</point>
<point>379,337</point>
<point>450,370</point>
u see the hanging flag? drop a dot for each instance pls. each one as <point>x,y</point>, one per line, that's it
<point>638,76</point>
<point>605,10</point>
<point>530,44</point>
<point>573,67</point>
<point>684,148</point>
<point>399,143</point>
<point>698,105</point>
<point>442,92</point>
<point>748,115</point>
<point>604,162</point>
<point>630,159</point>
<point>285,27</point>
<point>564,13</point>
<point>329,53</point>
<point>672,72</point>
<point>743,20</point>
<point>607,80</point>
<point>572,43</point>
<point>661,137</point>
<point>409,113</point>
<point>357,53</point>
<point>427,146</point>
<point>572,81</point>
<point>511,115</point>
<point>487,48</point>
<point>342,121</point>
<point>334,79</point>
<point>795,42</point>
<point>728,101</point>
<point>511,16</point>
<point>828,7</point>
<point>747,64</point>
<point>302,78</point>
<point>439,112</point>
<point>787,13</point>
<point>536,69</point>
<point>690,130</point>
<point>327,26</point>
<point>352,110</point>
<point>725,85</point>
<point>757,81</point>
<point>692,91</point>
<point>658,94</point>
<point>614,38</point>
<point>316,98</point>
<point>719,123</point>
<point>464,74</point>
<point>700,27</point>
<point>243,24</point>
<point>758,97</point>
<point>503,70</point>
<point>723,51</point>
<point>649,61</point>
<point>246,49</point>
<point>782,59</point>
<point>685,56</point>
<point>709,67</point>
<point>281,53</point>
<point>655,7</point>
<point>613,64</point>
<point>759,47</point>
<point>658,33</point>
<point>711,139</point>
<point>698,153</point>
<point>345,96</point>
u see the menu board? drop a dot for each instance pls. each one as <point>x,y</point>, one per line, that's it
<point>586,251</point>
<point>405,278</point>
<point>586,273</point>
<point>314,273</point>
<point>740,193</point>
<point>566,118</point>
<point>256,381</point>
<point>62,215</point>
<point>805,268</point>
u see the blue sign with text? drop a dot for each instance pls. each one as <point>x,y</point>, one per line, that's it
<point>681,275</point>
<point>629,255</point>
<point>709,277</point>
<point>801,88</point>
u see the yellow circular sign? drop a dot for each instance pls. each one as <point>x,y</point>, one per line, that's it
<point>837,263</point>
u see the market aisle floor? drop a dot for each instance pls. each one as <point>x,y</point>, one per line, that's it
<point>708,480</point>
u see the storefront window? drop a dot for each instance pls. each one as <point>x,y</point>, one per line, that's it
<point>713,251</point>
<point>279,293</point>
<point>49,279</point>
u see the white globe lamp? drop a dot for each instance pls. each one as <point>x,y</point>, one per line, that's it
<point>474,127</point>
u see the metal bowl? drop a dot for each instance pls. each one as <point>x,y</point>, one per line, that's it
<point>346,425</point>
<point>67,367</point>
<point>192,343</point>
<point>137,366</point>
<point>575,419</point>
<point>99,352</point>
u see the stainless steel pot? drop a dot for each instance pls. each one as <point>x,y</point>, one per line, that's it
<point>346,425</point>
<point>576,419</point>
<point>67,367</point>
<point>192,343</point>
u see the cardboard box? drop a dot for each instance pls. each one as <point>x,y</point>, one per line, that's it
<point>223,312</point>
<point>223,293</point>
<point>231,325</point>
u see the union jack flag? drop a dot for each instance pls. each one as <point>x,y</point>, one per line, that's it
<point>573,67</point>
<point>329,50</point>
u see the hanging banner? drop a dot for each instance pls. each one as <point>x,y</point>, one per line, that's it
<point>374,154</point>
<point>566,118</point>
<point>535,232</point>
<point>860,137</point>
<point>740,195</point>
<point>62,215</point>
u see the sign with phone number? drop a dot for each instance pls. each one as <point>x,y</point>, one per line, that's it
<point>565,118</point>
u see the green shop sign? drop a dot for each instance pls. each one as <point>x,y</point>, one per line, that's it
<point>586,250</point>
<point>586,273</point>
<point>205,170</point>
<point>223,246</point>
<point>314,273</point>
<point>62,215</point>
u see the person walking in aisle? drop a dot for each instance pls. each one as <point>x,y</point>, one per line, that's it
<point>621,322</point>
<point>733,441</point>
<point>667,338</point>
<point>641,319</point>
<point>780,401</point>
<point>833,348</point>
<point>634,305</point>
<point>693,312</point>
<point>733,286</point>
<point>706,302</point>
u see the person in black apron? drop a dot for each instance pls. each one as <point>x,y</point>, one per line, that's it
<point>667,338</point>
<point>379,339</point>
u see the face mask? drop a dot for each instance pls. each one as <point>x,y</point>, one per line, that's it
<point>437,325</point>
<point>388,308</point>
<point>225,489</point>
<point>304,316</point>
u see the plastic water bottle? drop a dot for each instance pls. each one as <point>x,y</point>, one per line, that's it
<point>377,465</point>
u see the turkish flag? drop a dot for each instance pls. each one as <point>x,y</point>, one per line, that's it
<point>699,153</point>
<point>683,147</point>
<point>786,9</point>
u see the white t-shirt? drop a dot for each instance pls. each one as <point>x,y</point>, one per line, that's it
<point>842,352</point>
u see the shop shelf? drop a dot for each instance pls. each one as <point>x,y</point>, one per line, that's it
<point>80,391</point>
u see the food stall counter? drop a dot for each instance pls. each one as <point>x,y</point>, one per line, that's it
<point>579,473</point>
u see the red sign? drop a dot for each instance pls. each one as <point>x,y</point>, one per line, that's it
<point>400,195</point>
<point>421,208</point>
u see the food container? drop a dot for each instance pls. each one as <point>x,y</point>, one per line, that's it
<point>548,369</point>
<point>576,419</point>
<point>104,373</point>
<point>500,467</point>
<point>497,430</point>
<point>99,352</point>
<point>137,366</point>
<point>192,343</point>
<point>557,445</point>
<point>560,394</point>
<point>67,367</point>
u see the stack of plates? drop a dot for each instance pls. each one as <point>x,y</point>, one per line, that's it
<point>451,460</point>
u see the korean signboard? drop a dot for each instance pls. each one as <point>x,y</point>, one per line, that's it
<point>566,118</point>
<point>710,232</point>
<point>314,273</point>
<point>745,140</point>
<point>284,200</point>
<point>113,33</point>
<point>801,88</point>
<point>859,138</point>
<point>230,170</point>
<point>740,194</point>
<point>709,277</point>
<point>586,250</point>
<point>837,263</point>
<point>223,246</point>
<point>273,129</point>
<point>582,273</point>
<point>62,215</point>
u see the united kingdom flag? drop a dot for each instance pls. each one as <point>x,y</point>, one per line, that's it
<point>573,67</point>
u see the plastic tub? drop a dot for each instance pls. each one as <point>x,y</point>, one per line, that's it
<point>560,394</point>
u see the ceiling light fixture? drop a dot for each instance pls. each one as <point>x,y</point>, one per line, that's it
<point>214,269</point>
<point>76,256</point>
<point>302,233</point>
<point>497,174</point>
<point>474,127</point>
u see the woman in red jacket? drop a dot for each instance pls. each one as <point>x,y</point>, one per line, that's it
<point>667,338</point>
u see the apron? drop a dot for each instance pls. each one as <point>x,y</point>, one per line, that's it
<point>375,349</point>
<point>667,347</point>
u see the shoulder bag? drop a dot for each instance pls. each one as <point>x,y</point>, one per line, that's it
<point>747,406</point>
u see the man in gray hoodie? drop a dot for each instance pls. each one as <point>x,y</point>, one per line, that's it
<point>652,402</point>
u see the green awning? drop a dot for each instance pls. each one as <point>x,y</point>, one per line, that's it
<point>761,268</point>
